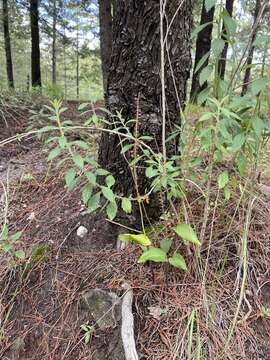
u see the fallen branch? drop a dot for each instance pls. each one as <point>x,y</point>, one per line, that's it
<point>127,329</point>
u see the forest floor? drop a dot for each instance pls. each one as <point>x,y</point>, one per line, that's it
<point>175,315</point>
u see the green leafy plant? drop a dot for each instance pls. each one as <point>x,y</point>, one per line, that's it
<point>7,243</point>
<point>88,332</point>
<point>160,254</point>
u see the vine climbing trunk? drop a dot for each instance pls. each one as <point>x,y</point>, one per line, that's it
<point>134,82</point>
<point>35,52</point>
<point>9,64</point>
<point>203,46</point>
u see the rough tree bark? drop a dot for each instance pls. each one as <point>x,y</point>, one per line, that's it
<point>35,54</point>
<point>134,83</point>
<point>105,21</point>
<point>9,65</point>
<point>203,46</point>
<point>223,57</point>
<point>251,50</point>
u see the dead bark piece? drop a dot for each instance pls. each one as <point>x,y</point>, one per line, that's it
<point>127,329</point>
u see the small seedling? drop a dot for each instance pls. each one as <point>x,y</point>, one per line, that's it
<point>88,332</point>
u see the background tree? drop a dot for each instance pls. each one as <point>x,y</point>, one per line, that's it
<point>252,48</point>
<point>203,46</point>
<point>134,83</point>
<point>223,57</point>
<point>35,53</point>
<point>9,64</point>
<point>105,23</point>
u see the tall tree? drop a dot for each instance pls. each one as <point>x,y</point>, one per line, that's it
<point>105,21</point>
<point>251,49</point>
<point>9,64</point>
<point>223,57</point>
<point>54,42</point>
<point>203,46</point>
<point>35,52</point>
<point>134,83</point>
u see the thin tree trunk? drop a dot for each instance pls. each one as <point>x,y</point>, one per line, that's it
<point>251,50</point>
<point>9,65</point>
<point>105,21</point>
<point>134,82</point>
<point>35,54</point>
<point>203,46</point>
<point>54,42</point>
<point>77,58</point>
<point>223,57</point>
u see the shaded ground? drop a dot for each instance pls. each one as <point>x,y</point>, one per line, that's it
<point>42,296</point>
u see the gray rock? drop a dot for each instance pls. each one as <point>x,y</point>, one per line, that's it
<point>102,306</point>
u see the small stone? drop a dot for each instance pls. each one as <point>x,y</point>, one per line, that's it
<point>102,306</point>
<point>82,231</point>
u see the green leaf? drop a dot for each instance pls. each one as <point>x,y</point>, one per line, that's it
<point>187,233</point>
<point>227,193</point>
<point>54,153</point>
<point>258,126</point>
<point>242,165</point>
<point>178,261</point>
<point>78,160</point>
<point>62,142</point>
<point>202,61</point>
<point>91,177</point>
<point>16,236</point>
<point>4,232</point>
<point>230,24</point>
<point>110,181</point>
<point>126,147</point>
<point>217,47</point>
<point>153,254</point>
<point>257,86</point>
<point>238,142</point>
<point>205,74</point>
<point>150,172</point>
<point>198,29</point>
<point>102,172</point>
<point>81,144</point>
<point>7,247</point>
<point>86,193</point>
<point>70,178</point>
<point>140,239</point>
<point>108,193</point>
<point>203,96</point>
<point>165,245</point>
<point>223,179</point>
<point>82,106</point>
<point>209,4</point>
<point>111,210</point>
<point>126,205</point>
<point>93,203</point>
<point>20,254</point>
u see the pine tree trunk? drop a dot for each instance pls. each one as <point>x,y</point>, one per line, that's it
<point>35,54</point>
<point>223,57</point>
<point>9,65</point>
<point>105,21</point>
<point>251,50</point>
<point>203,46</point>
<point>134,82</point>
<point>54,42</point>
